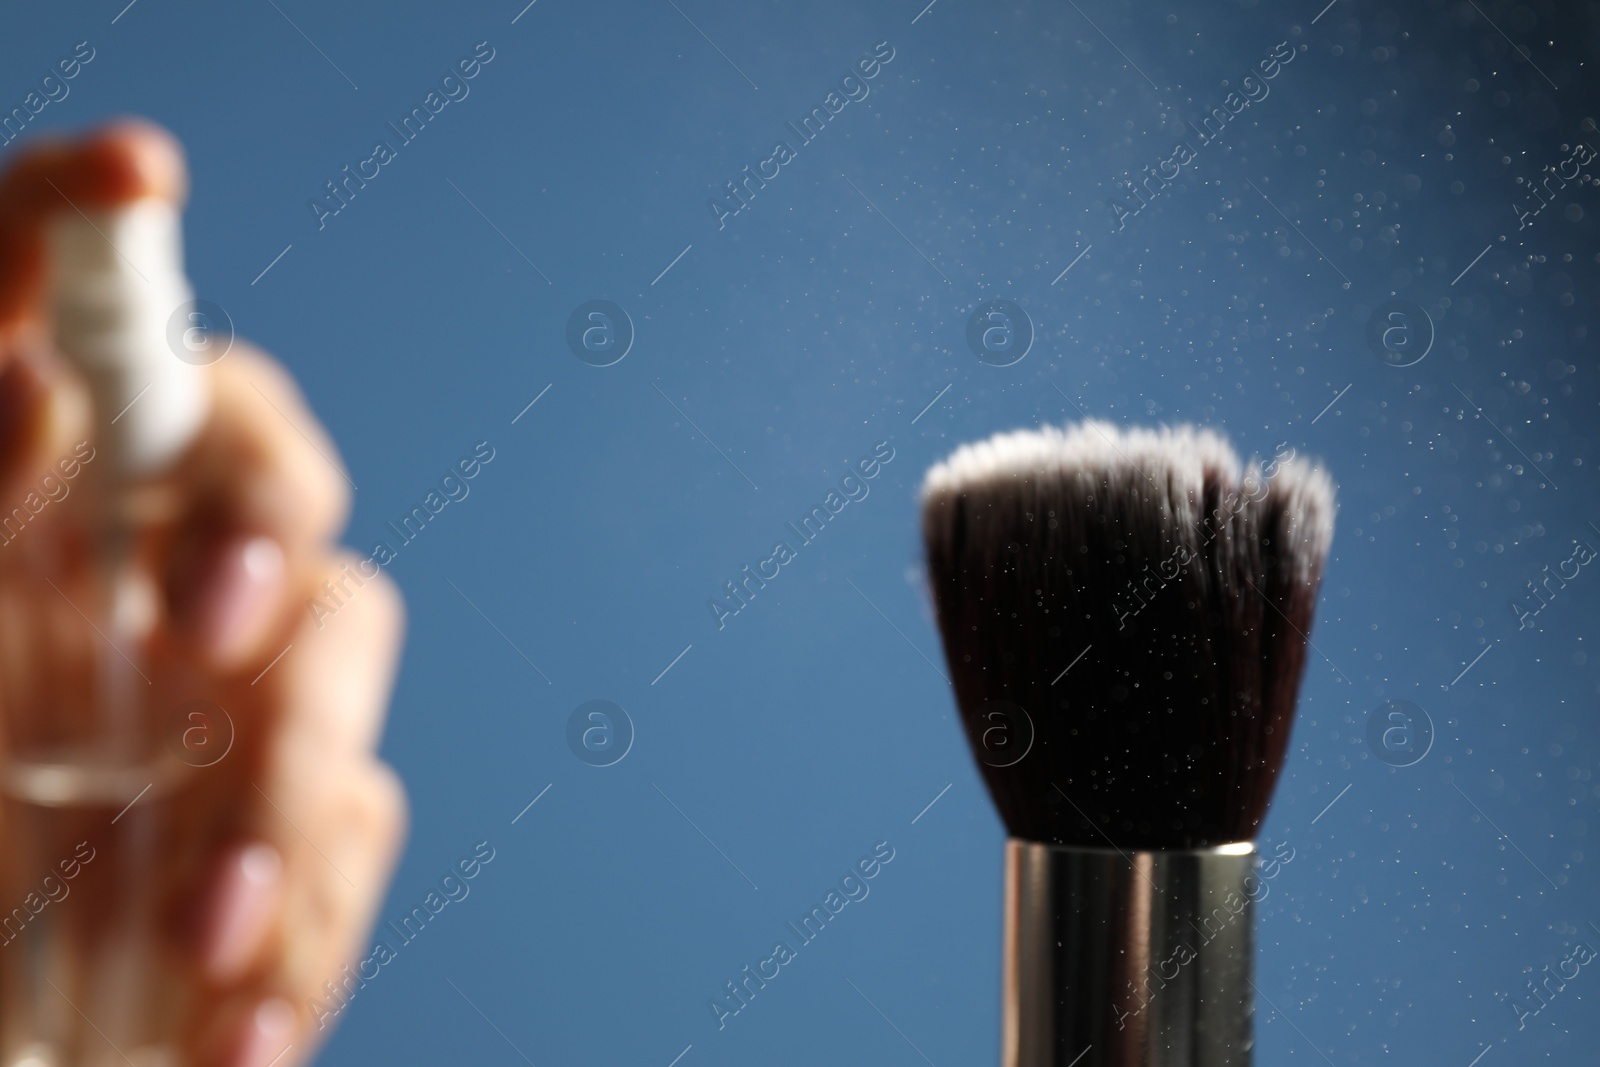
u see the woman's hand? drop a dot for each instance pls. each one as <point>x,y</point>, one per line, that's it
<point>285,845</point>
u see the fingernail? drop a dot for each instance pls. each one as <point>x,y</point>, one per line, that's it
<point>265,1034</point>
<point>241,907</point>
<point>232,597</point>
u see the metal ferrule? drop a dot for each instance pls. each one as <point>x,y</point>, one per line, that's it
<point>1138,959</point>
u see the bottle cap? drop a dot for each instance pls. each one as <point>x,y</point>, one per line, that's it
<point>119,298</point>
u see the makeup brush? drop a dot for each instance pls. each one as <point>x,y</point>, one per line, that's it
<point>1125,617</point>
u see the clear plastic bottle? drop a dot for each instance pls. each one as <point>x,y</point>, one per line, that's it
<point>100,824</point>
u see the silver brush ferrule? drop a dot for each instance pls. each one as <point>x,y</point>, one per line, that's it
<point>1139,959</point>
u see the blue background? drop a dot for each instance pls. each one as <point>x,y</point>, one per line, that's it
<point>822,320</point>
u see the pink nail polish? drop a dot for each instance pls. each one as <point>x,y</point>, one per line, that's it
<point>267,1033</point>
<point>242,906</point>
<point>242,583</point>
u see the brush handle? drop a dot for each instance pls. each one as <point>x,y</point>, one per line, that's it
<point>1139,959</point>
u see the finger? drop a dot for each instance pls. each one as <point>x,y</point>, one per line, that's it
<point>119,162</point>
<point>321,704</point>
<point>322,699</point>
<point>268,493</point>
<point>295,873</point>
<point>311,959</point>
<point>336,679</point>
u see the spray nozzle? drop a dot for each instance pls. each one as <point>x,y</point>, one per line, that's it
<point>118,301</point>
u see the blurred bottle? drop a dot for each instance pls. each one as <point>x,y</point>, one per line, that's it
<point>93,821</point>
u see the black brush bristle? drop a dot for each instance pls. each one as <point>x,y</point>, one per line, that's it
<point>1146,604</point>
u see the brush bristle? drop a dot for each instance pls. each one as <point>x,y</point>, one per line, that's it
<point>1145,602</point>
